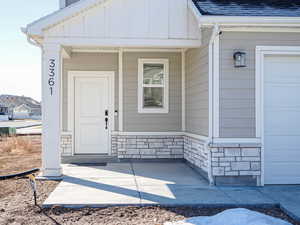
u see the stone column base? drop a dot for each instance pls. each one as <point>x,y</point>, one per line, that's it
<point>236,164</point>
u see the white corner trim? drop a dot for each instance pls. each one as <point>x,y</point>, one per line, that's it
<point>259,58</point>
<point>120,90</point>
<point>183,56</point>
<point>61,93</point>
<point>214,79</point>
<point>141,85</point>
<point>216,87</point>
<point>210,91</point>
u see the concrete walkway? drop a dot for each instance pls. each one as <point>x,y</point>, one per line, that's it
<point>169,184</point>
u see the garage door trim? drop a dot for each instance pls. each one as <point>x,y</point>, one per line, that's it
<point>261,53</point>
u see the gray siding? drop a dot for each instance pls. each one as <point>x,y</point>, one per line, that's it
<point>133,121</point>
<point>89,62</point>
<point>197,106</point>
<point>237,85</point>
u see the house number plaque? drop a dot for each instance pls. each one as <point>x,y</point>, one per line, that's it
<point>51,74</point>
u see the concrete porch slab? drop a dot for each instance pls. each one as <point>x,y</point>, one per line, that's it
<point>149,174</point>
<point>169,184</point>
<point>111,170</point>
<point>245,196</point>
<point>175,195</point>
<point>93,195</point>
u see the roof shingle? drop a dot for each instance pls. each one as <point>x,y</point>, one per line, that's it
<point>281,8</point>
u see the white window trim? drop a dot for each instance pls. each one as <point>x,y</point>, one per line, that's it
<point>165,108</point>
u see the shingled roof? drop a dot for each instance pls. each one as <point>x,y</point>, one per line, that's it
<point>280,8</point>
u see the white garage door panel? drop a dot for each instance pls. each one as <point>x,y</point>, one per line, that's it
<point>277,155</point>
<point>279,175</point>
<point>283,122</point>
<point>284,98</point>
<point>282,119</point>
<point>282,142</point>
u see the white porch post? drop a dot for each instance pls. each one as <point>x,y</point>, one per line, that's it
<point>51,77</point>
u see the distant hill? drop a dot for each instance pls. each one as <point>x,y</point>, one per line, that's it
<point>13,101</point>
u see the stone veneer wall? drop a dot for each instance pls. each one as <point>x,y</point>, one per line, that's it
<point>66,144</point>
<point>232,164</point>
<point>239,163</point>
<point>196,153</point>
<point>148,147</point>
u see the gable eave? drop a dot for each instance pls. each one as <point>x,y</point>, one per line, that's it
<point>37,27</point>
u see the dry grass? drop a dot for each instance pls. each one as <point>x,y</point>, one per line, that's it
<point>16,145</point>
<point>19,153</point>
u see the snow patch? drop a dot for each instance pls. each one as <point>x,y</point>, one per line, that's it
<point>237,216</point>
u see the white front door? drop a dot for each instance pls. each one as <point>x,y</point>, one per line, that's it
<point>91,111</point>
<point>282,119</point>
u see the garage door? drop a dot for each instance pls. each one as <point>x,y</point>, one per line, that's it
<point>282,119</point>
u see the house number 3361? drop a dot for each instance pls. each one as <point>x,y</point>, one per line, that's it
<point>51,73</point>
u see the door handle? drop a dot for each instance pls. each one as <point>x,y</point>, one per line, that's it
<point>106,121</point>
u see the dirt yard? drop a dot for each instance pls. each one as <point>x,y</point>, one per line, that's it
<point>19,153</point>
<point>16,201</point>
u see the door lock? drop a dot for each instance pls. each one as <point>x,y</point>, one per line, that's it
<point>106,121</point>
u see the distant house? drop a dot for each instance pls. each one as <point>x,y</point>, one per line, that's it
<point>3,113</point>
<point>21,107</point>
<point>21,112</point>
<point>25,111</point>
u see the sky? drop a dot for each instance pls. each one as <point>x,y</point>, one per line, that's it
<point>20,62</point>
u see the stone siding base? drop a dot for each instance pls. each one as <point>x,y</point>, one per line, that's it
<point>236,164</point>
<point>66,144</point>
<point>221,164</point>
<point>148,147</point>
<point>196,154</point>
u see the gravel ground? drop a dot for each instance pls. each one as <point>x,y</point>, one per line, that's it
<point>16,207</point>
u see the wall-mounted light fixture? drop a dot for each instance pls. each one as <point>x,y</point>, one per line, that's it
<point>239,59</point>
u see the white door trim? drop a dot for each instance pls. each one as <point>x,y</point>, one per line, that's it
<point>71,111</point>
<point>261,52</point>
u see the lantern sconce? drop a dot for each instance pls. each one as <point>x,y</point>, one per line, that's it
<point>239,59</point>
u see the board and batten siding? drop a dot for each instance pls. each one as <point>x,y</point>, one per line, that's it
<point>135,19</point>
<point>151,122</point>
<point>237,85</point>
<point>88,62</point>
<point>197,71</point>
